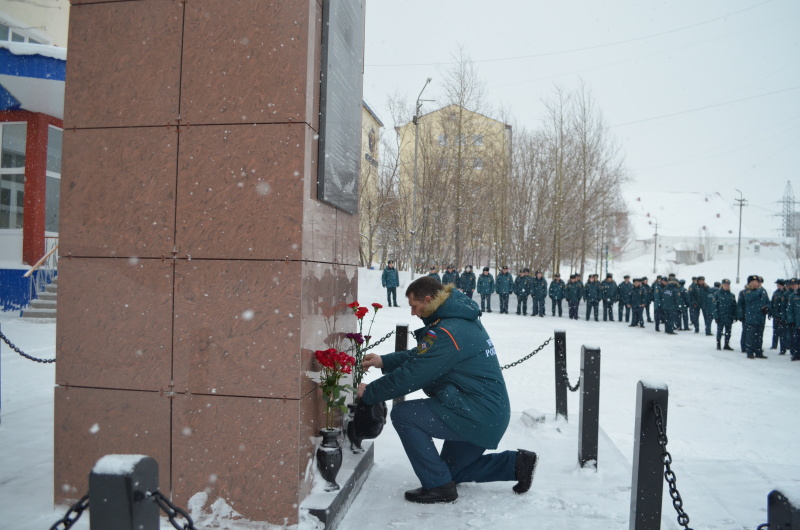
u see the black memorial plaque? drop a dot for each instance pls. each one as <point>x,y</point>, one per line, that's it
<point>340,103</point>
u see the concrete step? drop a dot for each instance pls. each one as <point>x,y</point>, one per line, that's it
<point>51,288</point>
<point>46,295</point>
<point>43,304</point>
<point>38,313</point>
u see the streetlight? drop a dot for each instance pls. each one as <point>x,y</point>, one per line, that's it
<point>742,202</point>
<point>414,192</point>
<point>655,246</point>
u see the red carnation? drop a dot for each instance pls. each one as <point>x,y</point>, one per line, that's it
<point>376,305</point>
<point>353,305</point>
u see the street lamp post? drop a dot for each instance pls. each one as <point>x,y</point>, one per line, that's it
<point>655,247</point>
<point>741,203</point>
<point>414,192</point>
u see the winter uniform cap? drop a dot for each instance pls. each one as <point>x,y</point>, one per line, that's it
<point>658,277</point>
<point>391,261</point>
<point>505,266</point>
<point>780,282</point>
<point>433,267</point>
<point>701,278</point>
<point>468,267</point>
<point>682,282</point>
<point>538,272</point>
<point>751,278</point>
<point>760,279</point>
<point>695,278</point>
<point>644,278</point>
<point>726,280</point>
<point>627,276</point>
<point>609,275</point>
<point>557,275</point>
<point>486,269</point>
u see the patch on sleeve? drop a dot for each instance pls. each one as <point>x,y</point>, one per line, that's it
<point>427,341</point>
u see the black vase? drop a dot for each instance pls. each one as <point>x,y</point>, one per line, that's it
<point>329,457</point>
<point>350,430</point>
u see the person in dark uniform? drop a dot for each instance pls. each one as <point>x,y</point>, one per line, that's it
<point>455,363</point>
<point>556,293</point>
<point>683,307</point>
<point>669,304</point>
<point>538,291</point>
<point>648,297</point>
<point>433,272</point>
<point>521,290</point>
<point>624,290</point>
<point>778,310</point>
<point>658,288</point>
<point>591,293</point>
<point>574,293</point>
<point>752,310</point>
<point>504,284</point>
<point>635,303</point>
<point>485,289</point>
<point>608,293</point>
<point>450,276</point>
<point>390,280</point>
<point>724,313</point>
<point>467,281</point>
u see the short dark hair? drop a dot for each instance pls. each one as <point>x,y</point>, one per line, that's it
<point>424,286</point>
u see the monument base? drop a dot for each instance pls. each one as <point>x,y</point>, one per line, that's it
<point>330,507</point>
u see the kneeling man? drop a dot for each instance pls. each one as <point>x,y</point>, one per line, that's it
<point>455,364</point>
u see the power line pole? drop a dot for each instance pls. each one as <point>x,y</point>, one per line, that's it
<point>655,248</point>
<point>741,202</point>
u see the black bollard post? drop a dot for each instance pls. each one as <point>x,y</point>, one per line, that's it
<point>117,488</point>
<point>590,406</point>
<point>561,369</point>
<point>647,485</point>
<point>781,512</point>
<point>400,344</point>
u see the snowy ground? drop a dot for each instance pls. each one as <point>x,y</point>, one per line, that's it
<point>733,427</point>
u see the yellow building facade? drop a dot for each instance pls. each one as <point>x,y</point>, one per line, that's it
<point>369,183</point>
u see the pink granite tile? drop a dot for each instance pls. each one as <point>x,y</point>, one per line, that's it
<point>114,323</point>
<point>226,42</point>
<point>118,192</point>
<point>240,191</point>
<point>124,64</point>
<point>91,423</point>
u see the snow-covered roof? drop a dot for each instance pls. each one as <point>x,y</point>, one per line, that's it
<point>32,77</point>
<point>683,214</point>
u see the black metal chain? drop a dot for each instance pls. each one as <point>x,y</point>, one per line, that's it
<point>77,509</point>
<point>531,354</point>
<point>355,346</point>
<point>5,339</point>
<point>669,475</point>
<point>172,511</point>
<point>566,379</point>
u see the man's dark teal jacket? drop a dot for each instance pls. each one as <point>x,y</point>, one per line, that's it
<point>455,364</point>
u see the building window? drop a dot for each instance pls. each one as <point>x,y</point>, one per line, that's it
<point>443,164</point>
<point>477,139</point>
<point>12,174</point>
<point>442,139</point>
<point>9,34</point>
<point>477,163</point>
<point>756,249</point>
<point>721,248</point>
<point>53,185</point>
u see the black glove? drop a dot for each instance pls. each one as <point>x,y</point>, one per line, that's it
<point>765,310</point>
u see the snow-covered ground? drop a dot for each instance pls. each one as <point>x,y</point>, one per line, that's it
<point>733,426</point>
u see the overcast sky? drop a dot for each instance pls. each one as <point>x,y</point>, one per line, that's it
<point>701,94</point>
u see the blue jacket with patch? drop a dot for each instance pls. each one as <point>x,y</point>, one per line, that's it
<point>455,364</point>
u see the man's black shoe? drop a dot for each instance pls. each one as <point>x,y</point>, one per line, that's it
<point>524,468</point>
<point>727,347</point>
<point>439,494</point>
<point>760,356</point>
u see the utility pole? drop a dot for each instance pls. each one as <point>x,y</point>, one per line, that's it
<point>414,192</point>
<point>741,202</point>
<point>655,248</point>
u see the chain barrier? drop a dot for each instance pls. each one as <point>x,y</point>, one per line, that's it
<point>531,354</point>
<point>566,379</point>
<point>669,475</point>
<point>45,361</point>
<point>379,341</point>
<point>77,509</point>
<point>172,511</point>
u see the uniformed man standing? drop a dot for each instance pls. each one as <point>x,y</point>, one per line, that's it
<point>521,290</point>
<point>608,293</point>
<point>485,289</point>
<point>556,293</point>
<point>450,276</point>
<point>433,272</point>
<point>648,297</point>
<point>635,303</point>
<point>753,308</point>
<point>724,313</point>
<point>504,285</point>
<point>467,281</point>
<point>538,290</point>
<point>390,280</point>
<point>625,289</point>
<point>778,309</point>
<point>574,293</point>
<point>591,293</point>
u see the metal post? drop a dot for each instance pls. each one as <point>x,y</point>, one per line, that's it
<point>741,202</point>
<point>117,488</point>
<point>414,192</point>
<point>400,344</point>
<point>781,512</point>
<point>561,370</point>
<point>655,248</point>
<point>647,484</point>
<point>590,406</point>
